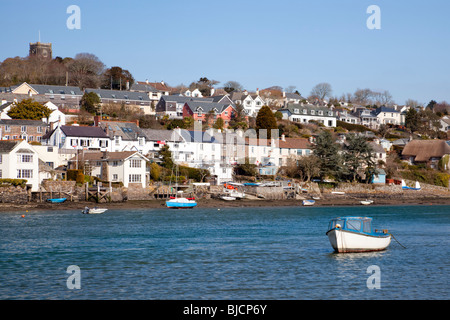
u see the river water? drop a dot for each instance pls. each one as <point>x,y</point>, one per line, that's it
<point>220,253</point>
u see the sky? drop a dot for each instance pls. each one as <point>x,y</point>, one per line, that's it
<point>256,43</point>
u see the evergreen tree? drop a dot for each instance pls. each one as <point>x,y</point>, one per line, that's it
<point>358,155</point>
<point>30,110</point>
<point>266,120</point>
<point>327,153</point>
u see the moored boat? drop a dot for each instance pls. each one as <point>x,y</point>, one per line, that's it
<point>95,210</point>
<point>366,202</point>
<point>355,234</point>
<point>57,200</point>
<point>180,203</point>
<point>309,202</point>
<point>227,198</point>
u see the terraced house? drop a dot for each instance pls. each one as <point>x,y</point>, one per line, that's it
<point>308,113</point>
<point>28,130</point>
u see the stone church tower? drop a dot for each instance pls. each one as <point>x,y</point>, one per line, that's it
<point>42,50</point>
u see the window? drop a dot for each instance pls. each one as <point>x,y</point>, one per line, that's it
<point>133,178</point>
<point>115,163</point>
<point>7,129</point>
<point>39,129</point>
<point>312,112</point>
<point>1,158</point>
<point>296,111</point>
<point>23,128</point>
<point>1,174</point>
<point>24,174</point>
<point>354,225</point>
<point>115,177</point>
<point>135,163</point>
<point>27,158</point>
<point>305,111</point>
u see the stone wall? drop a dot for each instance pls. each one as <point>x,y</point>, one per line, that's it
<point>13,194</point>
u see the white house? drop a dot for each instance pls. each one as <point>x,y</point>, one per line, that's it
<point>251,103</point>
<point>293,148</point>
<point>128,167</point>
<point>78,138</point>
<point>18,160</point>
<point>387,115</point>
<point>309,113</point>
<point>56,117</point>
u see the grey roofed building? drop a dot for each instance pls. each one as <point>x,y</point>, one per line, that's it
<point>23,122</point>
<point>126,130</point>
<point>58,90</point>
<point>300,109</point>
<point>81,131</point>
<point>6,146</point>
<point>207,107</point>
<point>116,95</point>
<point>161,135</point>
<point>139,87</point>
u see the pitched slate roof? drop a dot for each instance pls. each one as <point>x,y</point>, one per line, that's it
<point>423,150</point>
<point>207,106</point>
<point>293,107</point>
<point>143,87</point>
<point>23,122</point>
<point>120,95</point>
<point>51,89</point>
<point>161,135</point>
<point>84,131</point>
<point>126,130</point>
<point>6,146</point>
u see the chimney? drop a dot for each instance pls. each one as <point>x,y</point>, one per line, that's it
<point>283,137</point>
<point>96,121</point>
<point>128,85</point>
<point>284,94</point>
<point>257,91</point>
<point>212,91</point>
<point>146,81</point>
<point>162,82</point>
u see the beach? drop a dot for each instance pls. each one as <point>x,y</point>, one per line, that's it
<point>326,200</point>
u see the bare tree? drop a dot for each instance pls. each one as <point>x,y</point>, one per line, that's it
<point>290,89</point>
<point>321,91</point>
<point>383,98</point>
<point>363,96</point>
<point>231,85</point>
<point>85,70</point>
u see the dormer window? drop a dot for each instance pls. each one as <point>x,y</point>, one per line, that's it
<point>296,111</point>
<point>312,112</point>
<point>305,111</point>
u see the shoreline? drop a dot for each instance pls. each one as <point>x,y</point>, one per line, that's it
<point>348,200</point>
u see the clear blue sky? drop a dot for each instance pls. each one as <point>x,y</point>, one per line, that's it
<point>257,43</point>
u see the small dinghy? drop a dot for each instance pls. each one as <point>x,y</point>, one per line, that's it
<point>366,202</point>
<point>309,202</point>
<point>95,210</point>
<point>355,234</point>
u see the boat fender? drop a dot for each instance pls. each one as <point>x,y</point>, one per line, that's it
<point>338,226</point>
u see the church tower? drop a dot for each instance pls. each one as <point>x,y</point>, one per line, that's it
<point>41,50</point>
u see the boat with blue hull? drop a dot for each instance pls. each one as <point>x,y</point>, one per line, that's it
<point>355,234</point>
<point>57,200</point>
<point>181,203</point>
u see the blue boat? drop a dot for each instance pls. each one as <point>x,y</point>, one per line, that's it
<point>181,203</point>
<point>57,200</point>
<point>355,234</point>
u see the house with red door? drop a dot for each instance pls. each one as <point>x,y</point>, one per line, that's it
<point>209,111</point>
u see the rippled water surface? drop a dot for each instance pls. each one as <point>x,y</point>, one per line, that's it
<point>231,253</point>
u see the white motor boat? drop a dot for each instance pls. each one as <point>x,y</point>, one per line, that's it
<point>355,234</point>
<point>95,210</point>
<point>309,202</point>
